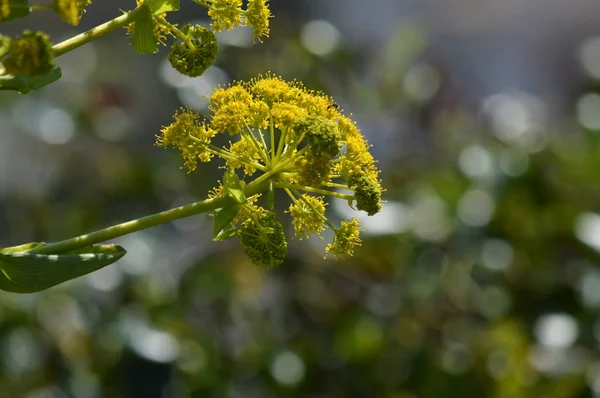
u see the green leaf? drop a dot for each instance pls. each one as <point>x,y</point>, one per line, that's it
<point>26,84</point>
<point>25,272</point>
<point>16,9</point>
<point>224,218</point>
<point>227,232</point>
<point>233,187</point>
<point>271,196</point>
<point>160,6</point>
<point>144,41</point>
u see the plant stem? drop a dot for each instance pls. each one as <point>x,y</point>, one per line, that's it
<point>94,33</point>
<point>149,221</point>
<point>173,29</point>
<point>314,190</point>
<point>272,131</point>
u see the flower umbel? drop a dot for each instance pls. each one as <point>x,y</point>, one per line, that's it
<point>263,240</point>
<point>197,54</point>
<point>345,239</point>
<point>308,213</point>
<point>226,14</point>
<point>71,11</point>
<point>189,136</point>
<point>282,133</point>
<point>29,55</point>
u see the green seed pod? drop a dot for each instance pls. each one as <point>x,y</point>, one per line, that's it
<point>194,61</point>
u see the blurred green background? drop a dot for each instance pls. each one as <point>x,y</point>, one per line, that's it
<point>480,277</point>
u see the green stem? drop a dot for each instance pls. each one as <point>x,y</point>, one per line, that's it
<point>340,186</point>
<point>201,3</point>
<point>173,29</point>
<point>313,190</point>
<point>262,139</point>
<point>94,33</point>
<point>280,146</point>
<point>248,131</point>
<point>272,133</point>
<point>36,7</point>
<point>128,227</point>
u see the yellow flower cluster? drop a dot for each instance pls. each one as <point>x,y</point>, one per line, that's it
<point>71,11</point>
<point>188,136</point>
<point>4,9</point>
<point>292,136</point>
<point>227,14</point>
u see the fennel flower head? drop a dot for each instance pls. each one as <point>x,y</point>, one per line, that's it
<point>281,136</point>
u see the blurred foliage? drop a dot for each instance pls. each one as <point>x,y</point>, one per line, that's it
<point>480,278</point>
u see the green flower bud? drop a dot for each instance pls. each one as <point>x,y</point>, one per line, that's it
<point>194,61</point>
<point>321,133</point>
<point>29,55</point>
<point>265,244</point>
<point>367,193</point>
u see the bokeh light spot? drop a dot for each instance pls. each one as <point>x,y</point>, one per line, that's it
<point>320,37</point>
<point>287,368</point>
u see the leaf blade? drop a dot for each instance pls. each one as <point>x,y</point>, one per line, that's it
<point>26,84</point>
<point>223,219</point>
<point>25,272</point>
<point>160,6</point>
<point>144,40</point>
<point>233,187</point>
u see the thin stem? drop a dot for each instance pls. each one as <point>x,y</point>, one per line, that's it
<point>272,133</point>
<point>35,7</point>
<point>334,185</point>
<point>256,144</point>
<point>230,156</point>
<point>201,3</point>
<point>128,227</point>
<point>173,29</point>
<point>215,150</point>
<point>290,194</point>
<point>289,156</point>
<point>281,143</point>
<point>94,33</point>
<point>262,139</point>
<point>313,190</point>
